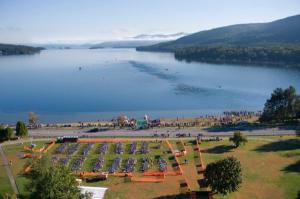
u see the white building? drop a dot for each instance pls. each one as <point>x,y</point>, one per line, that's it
<point>97,192</point>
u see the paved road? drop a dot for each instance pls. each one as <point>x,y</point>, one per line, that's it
<point>9,172</point>
<point>151,132</point>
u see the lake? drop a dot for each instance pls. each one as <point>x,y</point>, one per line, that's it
<point>82,85</point>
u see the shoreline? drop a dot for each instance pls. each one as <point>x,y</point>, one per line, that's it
<point>99,118</point>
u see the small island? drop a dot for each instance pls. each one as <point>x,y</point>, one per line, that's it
<point>10,49</point>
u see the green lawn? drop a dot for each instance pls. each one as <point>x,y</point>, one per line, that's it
<point>13,153</point>
<point>5,187</point>
<point>270,168</point>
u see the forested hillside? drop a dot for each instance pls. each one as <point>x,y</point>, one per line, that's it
<point>9,49</point>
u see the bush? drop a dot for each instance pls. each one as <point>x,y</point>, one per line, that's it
<point>238,139</point>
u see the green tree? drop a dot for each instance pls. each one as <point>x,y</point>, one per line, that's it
<point>9,133</point>
<point>6,133</point>
<point>297,107</point>
<point>238,139</point>
<point>2,133</point>
<point>223,176</point>
<point>283,105</point>
<point>51,181</point>
<point>7,196</point>
<point>21,129</point>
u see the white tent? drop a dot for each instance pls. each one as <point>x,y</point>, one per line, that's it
<point>97,192</point>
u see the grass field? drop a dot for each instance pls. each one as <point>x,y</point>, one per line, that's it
<point>13,153</point>
<point>5,187</point>
<point>270,169</point>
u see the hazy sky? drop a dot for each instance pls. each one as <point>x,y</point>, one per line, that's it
<point>39,21</point>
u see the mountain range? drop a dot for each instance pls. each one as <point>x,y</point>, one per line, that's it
<point>273,43</point>
<point>139,40</point>
<point>125,44</point>
<point>160,36</point>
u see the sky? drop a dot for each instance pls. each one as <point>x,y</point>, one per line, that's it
<point>89,21</point>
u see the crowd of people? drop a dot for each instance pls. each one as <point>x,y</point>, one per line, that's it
<point>228,117</point>
<point>123,121</point>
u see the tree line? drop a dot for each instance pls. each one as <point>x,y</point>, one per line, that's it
<point>7,133</point>
<point>273,55</point>
<point>9,49</point>
<point>282,106</point>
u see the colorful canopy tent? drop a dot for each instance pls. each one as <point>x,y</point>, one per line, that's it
<point>141,124</point>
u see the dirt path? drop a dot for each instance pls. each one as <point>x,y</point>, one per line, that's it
<point>9,172</point>
<point>191,171</point>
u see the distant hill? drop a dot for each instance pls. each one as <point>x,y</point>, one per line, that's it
<point>274,43</point>
<point>160,36</point>
<point>10,49</point>
<point>283,31</point>
<point>64,46</point>
<point>139,40</point>
<point>125,44</point>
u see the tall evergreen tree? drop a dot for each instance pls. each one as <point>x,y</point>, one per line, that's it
<point>21,129</point>
<point>9,133</point>
<point>2,133</point>
<point>6,133</point>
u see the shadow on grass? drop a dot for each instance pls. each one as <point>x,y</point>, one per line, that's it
<point>250,127</point>
<point>282,145</point>
<point>199,195</point>
<point>298,132</point>
<point>201,183</point>
<point>293,167</point>
<point>219,149</point>
<point>96,130</point>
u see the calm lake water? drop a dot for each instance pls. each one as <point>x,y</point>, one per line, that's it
<point>112,81</point>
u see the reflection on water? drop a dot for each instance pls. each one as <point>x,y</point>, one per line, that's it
<point>187,89</point>
<point>159,73</point>
<point>122,80</point>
